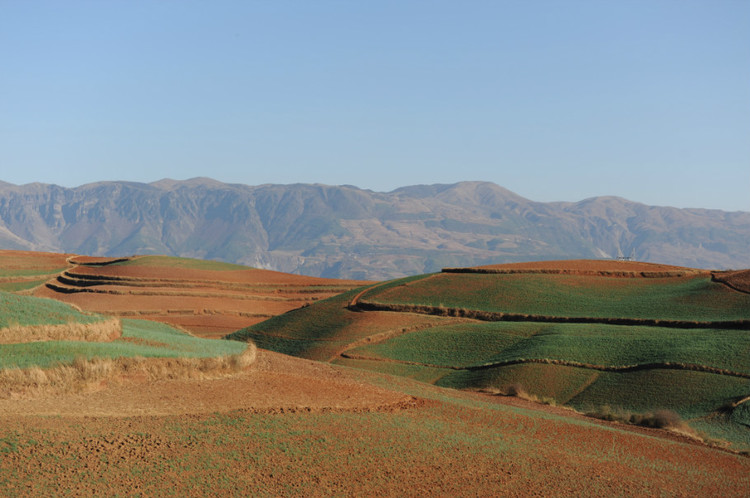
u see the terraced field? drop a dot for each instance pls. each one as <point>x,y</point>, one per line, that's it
<point>153,411</point>
<point>207,298</point>
<point>24,270</point>
<point>596,336</point>
<point>49,347</point>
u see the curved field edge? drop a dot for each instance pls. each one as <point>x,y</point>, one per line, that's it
<point>682,300</point>
<point>140,338</point>
<point>16,310</point>
<point>399,343</point>
<point>477,345</point>
<point>101,331</point>
<point>178,262</point>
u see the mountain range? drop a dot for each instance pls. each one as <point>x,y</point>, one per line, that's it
<point>348,232</point>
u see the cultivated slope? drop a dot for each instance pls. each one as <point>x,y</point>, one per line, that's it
<point>208,298</point>
<point>289,426</point>
<point>588,334</point>
<point>346,232</point>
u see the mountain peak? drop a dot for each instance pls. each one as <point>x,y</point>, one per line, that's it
<point>343,231</point>
<point>198,181</point>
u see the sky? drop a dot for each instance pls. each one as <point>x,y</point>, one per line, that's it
<point>554,100</point>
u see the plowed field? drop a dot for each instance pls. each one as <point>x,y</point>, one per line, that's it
<point>207,298</point>
<point>22,270</point>
<point>292,427</point>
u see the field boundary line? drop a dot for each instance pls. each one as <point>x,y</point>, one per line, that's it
<point>715,278</point>
<point>566,363</point>
<point>499,316</point>
<point>587,273</point>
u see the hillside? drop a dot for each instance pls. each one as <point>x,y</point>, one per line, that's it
<point>207,298</point>
<point>346,232</point>
<point>142,408</point>
<point>48,348</point>
<point>604,337</point>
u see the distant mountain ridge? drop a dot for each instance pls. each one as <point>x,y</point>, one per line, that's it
<point>347,232</point>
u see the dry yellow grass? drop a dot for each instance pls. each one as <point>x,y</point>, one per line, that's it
<point>102,331</point>
<point>92,374</point>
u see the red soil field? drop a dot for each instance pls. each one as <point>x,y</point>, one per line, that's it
<point>24,269</point>
<point>738,280</point>
<point>30,260</point>
<point>288,422</point>
<point>274,382</point>
<point>287,426</point>
<point>205,302</point>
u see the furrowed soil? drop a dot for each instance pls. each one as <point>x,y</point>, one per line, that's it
<point>738,280</point>
<point>206,298</point>
<point>275,382</point>
<point>23,270</point>
<point>325,430</point>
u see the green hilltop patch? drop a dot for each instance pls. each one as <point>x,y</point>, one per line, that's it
<point>27,311</point>
<point>692,298</point>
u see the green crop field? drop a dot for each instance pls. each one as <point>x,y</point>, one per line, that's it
<point>460,353</point>
<point>475,344</point>
<point>6,273</point>
<point>26,310</point>
<point>696,298</point>
<point>140,338</point>
<point>17,286</point>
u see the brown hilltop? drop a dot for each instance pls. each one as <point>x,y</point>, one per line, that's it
<point>209,299</point>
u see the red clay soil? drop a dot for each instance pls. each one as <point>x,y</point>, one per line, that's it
<point>248,276</point>
<point>291,427</point>
<point>275,382</point>
<point>587,267</point>
<point>30,260</point>
<point>737,280</point>
<point>208,303</point>
<point>94,260</point>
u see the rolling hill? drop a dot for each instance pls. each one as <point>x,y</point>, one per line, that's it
<point>598,336</point>
<point>146,409</point>
<point>346,232</point>
<point>207,298</point>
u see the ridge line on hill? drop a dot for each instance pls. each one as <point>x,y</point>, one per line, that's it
<point>498,316</point>
<point>593,273</point>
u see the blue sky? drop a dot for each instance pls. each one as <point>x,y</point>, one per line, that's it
<point>555,100</point>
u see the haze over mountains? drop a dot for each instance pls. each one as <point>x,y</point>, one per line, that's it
<point>347,232</point>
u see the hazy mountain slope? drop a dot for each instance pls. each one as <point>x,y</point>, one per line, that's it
<point>346,232</point>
